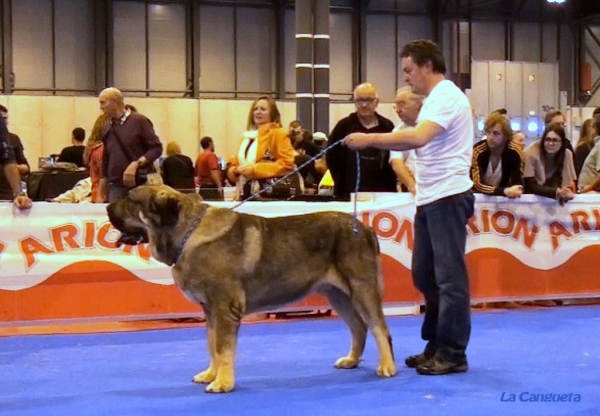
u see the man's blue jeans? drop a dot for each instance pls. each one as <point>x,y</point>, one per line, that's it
<point>440,273</point>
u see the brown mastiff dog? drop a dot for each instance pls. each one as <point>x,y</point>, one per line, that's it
<point>235,264</point>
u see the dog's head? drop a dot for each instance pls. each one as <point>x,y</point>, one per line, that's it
<point>144,210</point>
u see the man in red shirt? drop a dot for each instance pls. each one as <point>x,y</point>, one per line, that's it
<point>208,171</point>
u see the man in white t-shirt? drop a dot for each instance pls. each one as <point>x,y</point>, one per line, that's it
<point>407,106</point>
<point>443,139</point>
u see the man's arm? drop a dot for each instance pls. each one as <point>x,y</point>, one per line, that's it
<point>23,169</point>
<point>311,149</point>
<point>403,174</point>
<point>151,143</point>
<point>22,163</point>
<point>216,177</point>
<point>14,179</point>
<point>403,139</point>
<point>407,139</point>
<point>594,186</point>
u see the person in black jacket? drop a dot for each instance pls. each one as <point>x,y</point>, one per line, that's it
<point>178,170</point>
<point>74,153</point>
<point>497,165</point>
<point>376,174</point>
<point>304,149</point>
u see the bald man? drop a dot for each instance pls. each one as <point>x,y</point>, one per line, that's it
<point>129,143</point>
<point>376,174</point>
<point>407,106</point>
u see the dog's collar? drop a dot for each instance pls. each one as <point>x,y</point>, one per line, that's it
<point>186,237</point>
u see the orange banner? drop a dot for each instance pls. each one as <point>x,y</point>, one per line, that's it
<point>59,261</point>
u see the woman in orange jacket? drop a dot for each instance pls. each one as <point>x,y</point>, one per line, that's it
<point>265,152</point>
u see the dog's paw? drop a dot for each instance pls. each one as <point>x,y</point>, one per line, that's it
<point>205,377</point>
<point>386,370</point>
<point>220,386</point>
<point>347,362</point>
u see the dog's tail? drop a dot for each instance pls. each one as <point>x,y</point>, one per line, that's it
<point>374,243</point>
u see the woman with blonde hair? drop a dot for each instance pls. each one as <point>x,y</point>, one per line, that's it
<point>92,155</point>
<point>265,152</point>
<point>178,169</point>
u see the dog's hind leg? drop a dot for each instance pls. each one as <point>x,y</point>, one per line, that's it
<point>358,329</point>
<point>368,302</point>
<point>227,318</point>
<point>208,375</point>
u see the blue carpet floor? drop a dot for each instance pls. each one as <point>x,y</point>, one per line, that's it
<point>287,369</point>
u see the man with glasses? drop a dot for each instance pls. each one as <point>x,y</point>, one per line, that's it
<point>10,168</point>
<point>376,174</point>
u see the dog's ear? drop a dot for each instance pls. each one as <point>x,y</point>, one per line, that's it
<point>166,207</point>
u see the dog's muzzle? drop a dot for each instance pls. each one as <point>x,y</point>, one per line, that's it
<point>132,239</point>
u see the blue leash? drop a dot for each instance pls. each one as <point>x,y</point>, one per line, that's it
<point>312,159</point>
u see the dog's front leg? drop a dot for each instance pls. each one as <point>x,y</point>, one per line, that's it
<point>225,334</point>
<point>208,375</point>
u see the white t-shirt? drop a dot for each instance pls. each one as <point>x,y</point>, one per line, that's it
<point>443,165</point>
<point>407,156</point>
<point>493,177</point>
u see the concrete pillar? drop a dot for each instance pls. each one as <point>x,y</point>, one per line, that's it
<point>321,66</point>
<point>304,63</point>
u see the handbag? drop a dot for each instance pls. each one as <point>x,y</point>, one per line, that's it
<point>281,188</point>
<point>144,174</point>
<point>284,189</point>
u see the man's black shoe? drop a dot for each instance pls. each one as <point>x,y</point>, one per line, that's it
<point>416,360</point>
<point>438,367</point>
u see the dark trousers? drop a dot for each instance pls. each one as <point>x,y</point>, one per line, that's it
<point>116,191</point>
<point>210,192</point>
<point>440,273</point>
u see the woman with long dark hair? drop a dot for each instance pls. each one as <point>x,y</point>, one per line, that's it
<point>549,168</point>
<point>584,145</point>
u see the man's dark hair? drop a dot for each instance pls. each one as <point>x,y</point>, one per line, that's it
<point>3,109</point>
<point>424,51</point>
<point>295,124</point>
<point>79,134</point>
<point>551,114</point>
<point>501,111</point>
<point>205,142</point>
<point>596,123</point>
<point>596,111</point>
